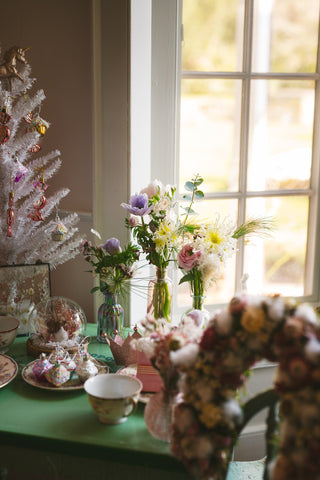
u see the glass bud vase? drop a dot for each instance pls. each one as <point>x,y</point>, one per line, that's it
<point>158,414</point>
<point>160,291</point>
<point>197,312</point>
<point>110,317</point>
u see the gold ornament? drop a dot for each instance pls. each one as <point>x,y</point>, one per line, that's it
<point>8,68</point>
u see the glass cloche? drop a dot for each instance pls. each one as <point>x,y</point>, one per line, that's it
<point>54,322</point>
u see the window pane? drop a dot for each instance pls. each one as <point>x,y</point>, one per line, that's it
<point>280,140</point>
<point>213,33</point>
<point>223,289</point>
<point>209,144</point>
<point>207,210</point>
<point>277,264</point>
<point>285,35</point>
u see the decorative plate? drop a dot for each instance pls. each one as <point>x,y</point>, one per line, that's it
<point>8,370</point>
<point>131,370</point>
<point>73,384</point>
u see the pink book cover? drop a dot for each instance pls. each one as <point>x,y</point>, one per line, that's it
<point>149,377</point>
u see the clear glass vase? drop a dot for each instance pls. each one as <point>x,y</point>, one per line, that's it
<point>160,291</point>
<point>200,315</point>
<point>158,414</point>
<point>110,318</point>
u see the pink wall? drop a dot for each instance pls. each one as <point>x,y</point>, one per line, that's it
<point>59,34</point>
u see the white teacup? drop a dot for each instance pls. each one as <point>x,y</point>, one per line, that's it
<point>113,397</point>
<point>8,332</point>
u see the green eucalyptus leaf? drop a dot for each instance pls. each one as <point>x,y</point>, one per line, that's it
<point>189,186</point>
<point>198,182</point>
<point>187,197</point>
<point>198,194</point>
<point>185,209</point>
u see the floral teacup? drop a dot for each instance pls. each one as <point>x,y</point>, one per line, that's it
<point>113,397</point>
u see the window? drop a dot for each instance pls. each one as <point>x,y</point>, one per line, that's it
<point>249,124</point>
<point>237,100</point>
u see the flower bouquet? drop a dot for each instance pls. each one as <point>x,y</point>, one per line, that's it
<point>207,245</point>
<point>114,268</point>
<point>157,229</point>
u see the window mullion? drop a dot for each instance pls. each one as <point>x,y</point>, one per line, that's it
<point>312,280</point>
<point>186,74</point>
<point>244,132</point>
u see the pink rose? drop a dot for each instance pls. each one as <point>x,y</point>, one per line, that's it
<point>152,189</point>
<point>188,258</point>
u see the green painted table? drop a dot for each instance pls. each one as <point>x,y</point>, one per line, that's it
<point>55,435</point>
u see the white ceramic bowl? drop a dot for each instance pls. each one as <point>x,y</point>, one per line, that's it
<point>8,332</point>
<point>113,397</point>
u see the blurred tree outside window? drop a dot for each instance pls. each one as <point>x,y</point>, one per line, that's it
<point>249,124</point>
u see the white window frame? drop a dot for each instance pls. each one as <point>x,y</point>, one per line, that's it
<point>246,76</point>
<point>160,116</point>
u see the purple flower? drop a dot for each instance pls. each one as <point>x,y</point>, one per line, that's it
<point>112,246</point>
<point>138,204</point>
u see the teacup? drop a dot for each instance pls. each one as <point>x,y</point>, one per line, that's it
<point>113,397</point>
<point>8,331</point>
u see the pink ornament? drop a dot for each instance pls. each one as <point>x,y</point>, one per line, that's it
<point>36,215</point>
<point>41,366</point>
<point>20,170</point>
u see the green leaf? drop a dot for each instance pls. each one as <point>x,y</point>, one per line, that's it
<point>198,194</point>
<point>187,197</point>
<point>185,209</point>
<point>191,228</point>
<point>188,228</point>
<point>94,289</point>
<point>189,186</point>
<point>198,182</point>
<point>186,278</point>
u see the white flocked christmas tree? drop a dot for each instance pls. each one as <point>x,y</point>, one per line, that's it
<point>31,230</point>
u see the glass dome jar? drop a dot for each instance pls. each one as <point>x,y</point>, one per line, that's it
<point>57,321</point>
